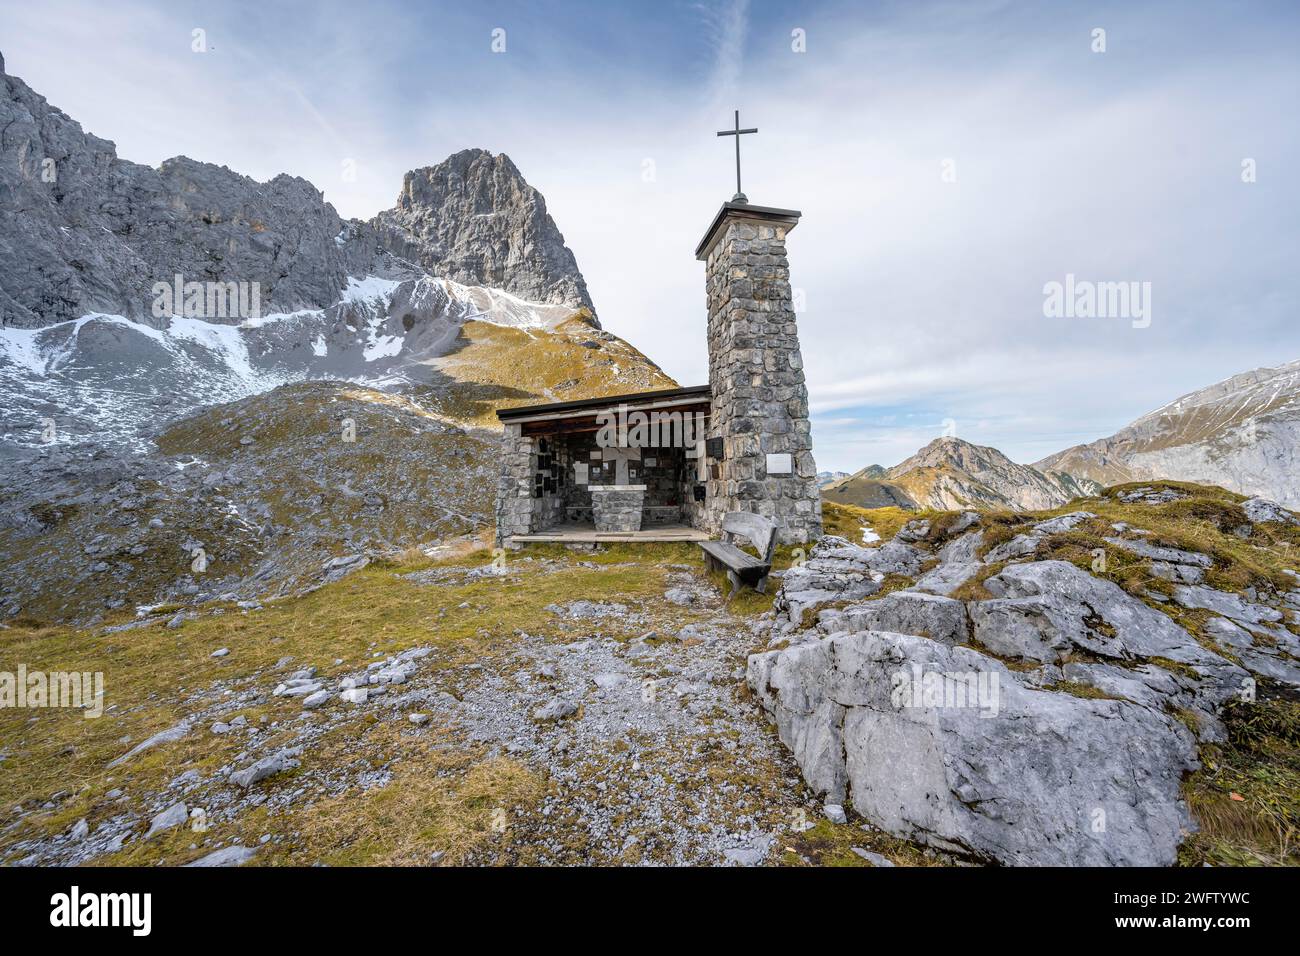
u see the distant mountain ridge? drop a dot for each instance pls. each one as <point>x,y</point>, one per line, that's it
<point>83,231</point>
<point>950,473</point>
<point>1242,433</point>
<point>825,478</point>
<point>88,354</point>
<point>350,413</point>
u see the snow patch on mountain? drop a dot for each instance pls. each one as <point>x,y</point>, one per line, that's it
<point>224,341</point>
<point>109,378</point>
<point>1242,433</point>
<point>370,289</point>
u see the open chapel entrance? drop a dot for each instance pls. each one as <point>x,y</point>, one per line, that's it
<point>585,480</point>
<point>578,463</point>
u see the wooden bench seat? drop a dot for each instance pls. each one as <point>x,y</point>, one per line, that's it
<point>732,556</point>
<point>743,568</point>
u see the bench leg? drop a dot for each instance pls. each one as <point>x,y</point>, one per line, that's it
<point>734,578</point>
<point>761,586</point>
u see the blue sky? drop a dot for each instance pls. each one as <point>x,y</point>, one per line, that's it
<point>924,292</point>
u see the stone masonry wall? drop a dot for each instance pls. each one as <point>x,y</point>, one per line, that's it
<point>760,402</point>
<point>617,510</point>
<point>514,508</point>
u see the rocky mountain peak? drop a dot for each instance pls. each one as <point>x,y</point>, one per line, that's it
<point>474,219</point>
<point>952,451</point>
<point>88,232</point>
<point>1240,433</point>
<point>950,472</point>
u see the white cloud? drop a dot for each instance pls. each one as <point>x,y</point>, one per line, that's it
<point>924,297</point>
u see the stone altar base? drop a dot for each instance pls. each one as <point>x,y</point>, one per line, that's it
<point>617,507</point>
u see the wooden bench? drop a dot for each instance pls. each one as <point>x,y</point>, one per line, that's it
<point>743,568</point>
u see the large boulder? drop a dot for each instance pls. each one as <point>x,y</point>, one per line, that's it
<point>1051,611</point>
<point>949,747</point>
<point>1111,622</point>
<point>1031,629</point>
<point>1227,604</point>
<point>1066,522</point>
<point>1275,655</point>
<point>1018,547</point>
<point>1049,724</point>
<point>1262,510</point>
<point>903,612</point>
<point>958,563</point>
<point>1145,549</point>
<point>837,570</point>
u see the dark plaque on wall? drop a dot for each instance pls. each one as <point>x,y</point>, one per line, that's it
<point>713,447</point>
<point>698,492</point>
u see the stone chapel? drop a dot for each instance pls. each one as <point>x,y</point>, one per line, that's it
<point>667,465</point>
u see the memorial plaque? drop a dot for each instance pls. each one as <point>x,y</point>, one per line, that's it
<point>780,464</point>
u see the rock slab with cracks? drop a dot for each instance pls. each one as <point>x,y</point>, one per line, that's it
<point>1049,724</point>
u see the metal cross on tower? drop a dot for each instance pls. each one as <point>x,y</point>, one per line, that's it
<point>737,132</point>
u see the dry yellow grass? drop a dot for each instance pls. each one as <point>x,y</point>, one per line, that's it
<point>490,362</point>
<point>439,786</point>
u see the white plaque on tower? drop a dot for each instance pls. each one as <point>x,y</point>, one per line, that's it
<point>780,464</point>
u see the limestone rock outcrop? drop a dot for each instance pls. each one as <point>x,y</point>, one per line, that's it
<point>1022,775</point>
<point>1048,722</point>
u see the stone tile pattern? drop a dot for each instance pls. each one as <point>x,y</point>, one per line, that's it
<point>517,511</point>
<point>617,510</point>
<point>760,401</point>
<point>516,506</point>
